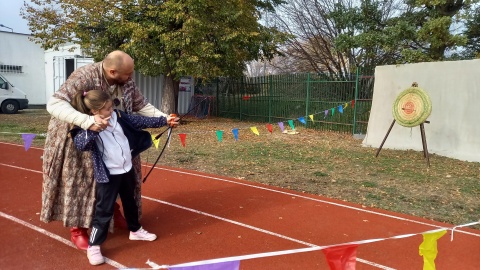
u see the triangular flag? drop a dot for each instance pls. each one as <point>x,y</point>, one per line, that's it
<point>353,103</point>
<point>341,257</point>
<point>428,249</point>
<point>326,113</point>
<point>311,118</point>
<point>219,135</point>
<point>280,124</point>
<point>346,105</point>
<point>235,133</point>
<point>302,120</point>
<point>269,127</point>
<point>233,265</point>
<point>290,122</point>
<point>155,141</point>
<point>27,139</point>
<point>340,109</point>
<point>183,137</point>
<point>333,111</point>
<point>254,130</point>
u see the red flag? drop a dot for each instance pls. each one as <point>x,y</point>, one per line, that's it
<point>183,136</point>
<point>269,127</point>
<point>353,104</point>
<point>341,257</point>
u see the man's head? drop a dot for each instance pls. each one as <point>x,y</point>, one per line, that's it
<point>118,67</point>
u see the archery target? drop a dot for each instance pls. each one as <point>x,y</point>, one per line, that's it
<point>412,107</point>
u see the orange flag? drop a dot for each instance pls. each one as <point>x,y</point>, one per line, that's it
<point>269,127</point>
<point>183,137</point>
<point>341,257</point>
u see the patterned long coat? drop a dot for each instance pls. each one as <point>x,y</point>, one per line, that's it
<point>68,190</point>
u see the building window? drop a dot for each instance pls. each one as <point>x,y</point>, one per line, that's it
<point>10,68</point>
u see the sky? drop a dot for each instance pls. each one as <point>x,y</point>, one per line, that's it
<point>11,16</point>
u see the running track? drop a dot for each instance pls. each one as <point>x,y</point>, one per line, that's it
<point>200,217</point>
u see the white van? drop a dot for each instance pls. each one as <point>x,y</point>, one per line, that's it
<point>12,99</point>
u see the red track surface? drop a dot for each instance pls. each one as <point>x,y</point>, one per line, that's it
<point>199,217</point>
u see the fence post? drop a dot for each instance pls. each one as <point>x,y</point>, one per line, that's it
<point>242,93</point>
<point>308,98</point>
<point>217,98</point>
<point>270,98</point>
<point>355,100</point>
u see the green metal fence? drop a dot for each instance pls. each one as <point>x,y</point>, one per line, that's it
<point>338,105</point>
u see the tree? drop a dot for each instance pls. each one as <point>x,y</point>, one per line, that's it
<point>335,37</point>
<point>434,22</point>
<point>472,33</point>
<point>202,38</point>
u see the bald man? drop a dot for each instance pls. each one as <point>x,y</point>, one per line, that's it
<point>68,191</point>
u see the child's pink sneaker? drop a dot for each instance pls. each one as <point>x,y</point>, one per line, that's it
<point>143,235</point>
<point>94,255</point>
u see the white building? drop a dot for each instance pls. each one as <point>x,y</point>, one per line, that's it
<point>22,62</point>
<point>39,73</point>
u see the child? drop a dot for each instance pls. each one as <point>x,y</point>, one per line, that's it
<point>112,151</point>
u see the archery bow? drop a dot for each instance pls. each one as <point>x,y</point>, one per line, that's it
<point>168,137</point>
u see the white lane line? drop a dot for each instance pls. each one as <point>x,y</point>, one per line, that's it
<point>20,168</point>
<point>230,221</point>
<point>56,237</point>
<point>21,145</point>
<point>289,194</point>
<point>313,199</point>
<point>256,229</point>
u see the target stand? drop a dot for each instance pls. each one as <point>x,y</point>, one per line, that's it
<point>411,108</point>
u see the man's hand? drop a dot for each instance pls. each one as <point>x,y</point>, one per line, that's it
<point>100,123</point>
<point>173,120</point>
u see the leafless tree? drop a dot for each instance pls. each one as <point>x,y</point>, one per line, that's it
<point>316,25</point>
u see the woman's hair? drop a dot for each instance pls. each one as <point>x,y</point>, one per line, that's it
<point>84,102</point>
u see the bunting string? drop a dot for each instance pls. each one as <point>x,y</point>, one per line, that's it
<point>302,250</point>
<point>28,137</point>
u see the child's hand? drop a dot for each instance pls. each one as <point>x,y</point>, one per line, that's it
<point>173,120</point>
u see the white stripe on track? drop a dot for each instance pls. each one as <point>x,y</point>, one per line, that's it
<point>280,192</point>
<point>276,191</point>
<point>313,199</point>
<point>285,193</point>
<point>257,229</point>
<point>20,168</point>
<point>234,222</point>
<point>21,145</point>
<point>56,237</point>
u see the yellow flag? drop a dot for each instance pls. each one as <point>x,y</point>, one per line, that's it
<point>428,249</point>
<point>346,104</point>
<point>155,141</point>
<point>311,117</point>
<point>254,130</point>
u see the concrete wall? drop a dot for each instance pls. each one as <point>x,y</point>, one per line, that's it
<point>16,49</point>
<point>454,89</point>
